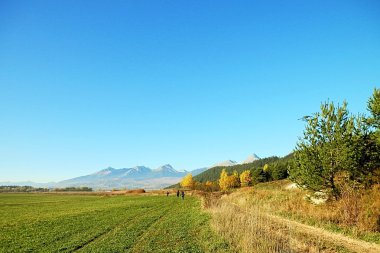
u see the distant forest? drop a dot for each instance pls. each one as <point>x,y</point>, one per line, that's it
<point>275,168</point>
<point>16,188</point>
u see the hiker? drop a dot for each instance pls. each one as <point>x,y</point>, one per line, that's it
<point>183,195</point>
<point>177,193</point>
<point>167,194</point>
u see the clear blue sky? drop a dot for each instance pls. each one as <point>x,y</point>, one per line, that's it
<point>90,84</point>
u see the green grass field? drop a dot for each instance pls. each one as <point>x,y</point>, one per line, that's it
<point>67,223</point>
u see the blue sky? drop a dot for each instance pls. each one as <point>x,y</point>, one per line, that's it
<point>90,84</point>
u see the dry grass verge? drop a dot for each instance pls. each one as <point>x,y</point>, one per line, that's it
<point>268,219</point>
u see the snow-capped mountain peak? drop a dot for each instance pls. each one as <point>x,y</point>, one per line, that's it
<point>225,163</point>
<point>141,168</point>
<point>251,158</point>
<point>165,168</point>
<point>106,171</point>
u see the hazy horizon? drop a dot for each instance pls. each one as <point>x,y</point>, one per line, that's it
<point>87,85</point>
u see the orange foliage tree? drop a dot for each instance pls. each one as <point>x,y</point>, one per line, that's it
<point>246,178</point>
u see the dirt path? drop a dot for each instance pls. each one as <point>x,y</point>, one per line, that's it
<point>347,242</point>
<point>337,239</point>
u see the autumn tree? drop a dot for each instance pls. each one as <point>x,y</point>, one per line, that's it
<point>267,172</point>
<point>227,182</point>
<point>246,178</point>
<point>234,180</point>
<point>209,186</point>
<point>266,168</point>
<point>187,181</point>
<point>223,180</point>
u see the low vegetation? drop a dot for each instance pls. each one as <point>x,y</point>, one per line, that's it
<point>87,223</point>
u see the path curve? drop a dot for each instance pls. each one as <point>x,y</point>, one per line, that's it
<point>345,241</point>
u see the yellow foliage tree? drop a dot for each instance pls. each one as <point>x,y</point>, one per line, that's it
<point>187,181</point>
<point>234,180</point>
<point>266,168</point>
<point>227,182</point>
<point>223,180</point>
<point>246,178</point>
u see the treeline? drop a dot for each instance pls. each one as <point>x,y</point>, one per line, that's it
<point>73,189</point>
<point>225,178</point>
<point>278,169</point>
<point>16,188</point>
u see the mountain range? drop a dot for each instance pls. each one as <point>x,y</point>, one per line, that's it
<point>135,177</point>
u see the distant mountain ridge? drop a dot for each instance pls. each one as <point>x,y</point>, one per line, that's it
<point>109,178</point>
<point>135,177</point>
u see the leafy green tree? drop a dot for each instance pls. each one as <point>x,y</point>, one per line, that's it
<point>373,107</point>
<point>367,143</point>
<point>325,149</point>
<point>279,170</point>
<point>337,146</point>
<point>258,175</point>
<point>365,155</point>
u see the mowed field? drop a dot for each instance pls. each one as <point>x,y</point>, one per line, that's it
<point>85,223</point>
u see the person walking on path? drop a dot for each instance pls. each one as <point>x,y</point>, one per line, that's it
<point>177,193</point>
<point>183,195</point>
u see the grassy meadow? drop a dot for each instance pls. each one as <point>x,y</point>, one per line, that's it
<point>86,223</point>
<point>268,217</point>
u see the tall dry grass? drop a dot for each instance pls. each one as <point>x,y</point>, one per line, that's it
<point>357,209</point>
<point>244,218</point>
<point>250,229</point>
